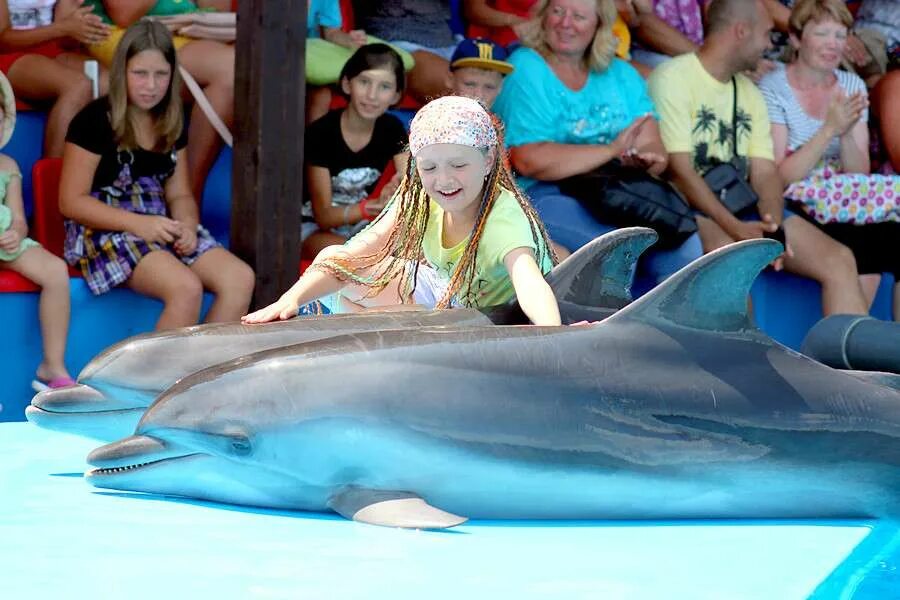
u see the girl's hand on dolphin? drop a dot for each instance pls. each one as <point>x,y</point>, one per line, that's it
<point>280,310</point>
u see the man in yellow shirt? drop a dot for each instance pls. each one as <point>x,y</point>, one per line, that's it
<point>693,94</point>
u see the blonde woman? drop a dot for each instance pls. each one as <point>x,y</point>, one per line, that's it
<point>132,219</point>
<point>570,107</point>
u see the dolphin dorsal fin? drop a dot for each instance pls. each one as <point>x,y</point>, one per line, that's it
<point>600,273</point>
<point>391,509</point>
<point>710,293</point>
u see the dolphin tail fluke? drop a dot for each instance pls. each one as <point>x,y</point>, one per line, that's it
<point>391,509</point>
<point>600,273</point>
<point>708,294</point>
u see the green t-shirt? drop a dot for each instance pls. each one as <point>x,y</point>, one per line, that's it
<point>506,229</point>
<point>160,9</point>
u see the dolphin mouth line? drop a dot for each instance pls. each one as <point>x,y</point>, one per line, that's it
<point>82,412</point>
<point>101,471</point>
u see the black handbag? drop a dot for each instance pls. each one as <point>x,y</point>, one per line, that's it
<point>728,180</point>
<point>630,197</point>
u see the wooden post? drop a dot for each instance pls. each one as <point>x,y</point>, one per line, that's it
<point>267,172</point>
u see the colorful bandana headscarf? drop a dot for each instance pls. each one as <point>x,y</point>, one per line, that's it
<point>452,120</point>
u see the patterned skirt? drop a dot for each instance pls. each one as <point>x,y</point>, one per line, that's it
<point>108,258</point>
<point>829,196</point>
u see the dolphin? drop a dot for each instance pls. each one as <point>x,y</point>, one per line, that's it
<point>677,406</point>
<point>117,386</point>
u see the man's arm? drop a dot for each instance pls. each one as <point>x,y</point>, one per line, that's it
<point>662,37</point>
<point>699,195</point>
<point>767,183</point>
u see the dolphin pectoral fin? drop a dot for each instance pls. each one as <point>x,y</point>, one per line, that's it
<point>391,509</point>
<point>708,294</point>
<point>600,273</point>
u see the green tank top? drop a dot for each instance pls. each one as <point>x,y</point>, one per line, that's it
<point>6,221</point>
<point>5,212</point>
<point>160,9</point>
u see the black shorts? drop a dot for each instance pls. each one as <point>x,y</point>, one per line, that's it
<point>876,246</point>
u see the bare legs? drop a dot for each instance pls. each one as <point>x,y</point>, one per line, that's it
<point>51,273</point>
<point>38,78</point>
<point>318,100</point>
<point>816,256</point>
<point>162,276</point>
<point>428,78</point>
<point>212,65</point>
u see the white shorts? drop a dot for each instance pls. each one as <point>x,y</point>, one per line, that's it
<point>430,288</point>
<point>445,52</point>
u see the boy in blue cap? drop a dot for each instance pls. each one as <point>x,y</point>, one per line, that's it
<point>477,68</point>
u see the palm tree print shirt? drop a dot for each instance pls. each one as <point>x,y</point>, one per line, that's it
<point>696,113</point>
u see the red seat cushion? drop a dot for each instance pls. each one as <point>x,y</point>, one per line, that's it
<point>10,281</point>
<point>48,222</point>
<point>48,227</point>
<point>347,19</point>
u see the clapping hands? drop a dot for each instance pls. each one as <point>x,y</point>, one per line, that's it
<point>845,111</point>
<point>80,23</point>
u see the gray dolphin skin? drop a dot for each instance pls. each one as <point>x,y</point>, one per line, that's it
<point>117,386</point>
<point>675,407</point>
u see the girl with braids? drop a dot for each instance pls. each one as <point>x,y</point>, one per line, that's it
<point>458,232</point>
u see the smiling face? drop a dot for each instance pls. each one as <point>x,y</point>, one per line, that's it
<point>148,76</point>
<point>372,92</point>
<point>821,44</point>
<point>570,26</point>
<point>453,175</point>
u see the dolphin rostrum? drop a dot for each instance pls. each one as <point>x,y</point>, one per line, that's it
<point>120,383</point>
<point>677,406</point>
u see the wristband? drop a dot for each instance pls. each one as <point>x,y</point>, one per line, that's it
<point>364,209</point>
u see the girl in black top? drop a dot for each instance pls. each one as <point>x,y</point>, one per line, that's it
<point>348,149</point>
<point>131,216</point>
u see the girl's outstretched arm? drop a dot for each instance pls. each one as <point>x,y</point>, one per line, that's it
<point>315,283</point>
<point>532,290</point>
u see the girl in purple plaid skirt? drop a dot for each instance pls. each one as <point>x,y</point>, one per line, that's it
<point>131,217</point>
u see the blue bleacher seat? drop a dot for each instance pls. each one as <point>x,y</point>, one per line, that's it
<point>215,208</point>
<point>26,146</point>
